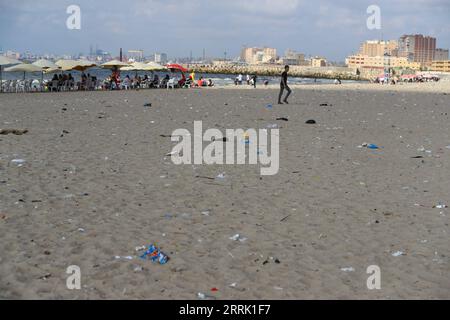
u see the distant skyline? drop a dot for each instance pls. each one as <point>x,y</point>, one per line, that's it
<point>334,29</point>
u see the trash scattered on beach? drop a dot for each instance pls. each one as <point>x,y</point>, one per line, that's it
<point>283,119</point>
<point>17,132</point>
<point>221,176</point>
<point>147,105</point>
<point>201,295</point>
<point>46,276</point>
<point>272,126</point>
<point>237,237</point>
<point>269,106</point>
<point>326,105</point>
<point>155,255</point>
<point>398,254</point>
<point>206,212</point>
<point>125,258</point>
<point>311,121</point>
<point>233,285</point>
<point>369,146</point>
<point>349,269</point>
<point>440,206</point>
<point>18,162</point>
<point>142,248</point>
<point>417,157</point>
<point>81,230</point>
<point>214,289</point>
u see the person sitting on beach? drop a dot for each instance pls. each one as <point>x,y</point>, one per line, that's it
<point>210,83</point>
<point>182,81</point>
<point>200,82</point>
<point>126,83</point>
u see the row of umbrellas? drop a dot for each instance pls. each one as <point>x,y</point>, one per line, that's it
<point>46,66</point>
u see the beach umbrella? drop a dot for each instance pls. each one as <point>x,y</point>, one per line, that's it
<point>5,61</point>
<point>45,64</point>
<point>114,64</point>
<point>174,66</point>
<point>78,65</point>
<point>24,67</point>
<point>137,66</point>
<point>155,66</point>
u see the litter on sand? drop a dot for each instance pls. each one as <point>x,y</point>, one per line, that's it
<point>349,269</point>
<point>18,162</point>
<point>237,237</point>
<point>17,132</point>
<point>155,255</point>
<point>440,206</point>
<point>398,254</point>
<point>369,146</point>
<point>311,121</point>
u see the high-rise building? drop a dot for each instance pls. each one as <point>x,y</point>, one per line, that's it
<point>377,48</point>
<point>441,55</point>
<point>417,48</point>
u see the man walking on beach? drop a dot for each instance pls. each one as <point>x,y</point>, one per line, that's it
<point>284,85</point>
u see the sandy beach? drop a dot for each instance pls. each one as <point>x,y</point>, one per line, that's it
<point>96,183</point>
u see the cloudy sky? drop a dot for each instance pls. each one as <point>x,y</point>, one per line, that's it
<point>333,28</point>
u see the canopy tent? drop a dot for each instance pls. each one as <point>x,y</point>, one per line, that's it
<point>6,61</point>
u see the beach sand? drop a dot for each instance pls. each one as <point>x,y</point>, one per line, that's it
<point>96,184</point>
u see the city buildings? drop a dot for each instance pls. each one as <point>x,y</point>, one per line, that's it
<point>293,58</point>
<point>318,62</point>
<point>441,66</point>
<point>377,48</point>
<point>160,58</point>
<point>136,55</point>
<point>410,51</point>
<point>380,62</point>
<point>258,55</point>
<point>417,48</point>
<point>441,55</point>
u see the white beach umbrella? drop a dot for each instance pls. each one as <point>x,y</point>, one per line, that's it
<point>156,66</point>
<point>79,65</point>
<point>114,64</point>
<point>137,66</point>
<point>6,61</point>
<point>24,67</point>
<point>45,64</point>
